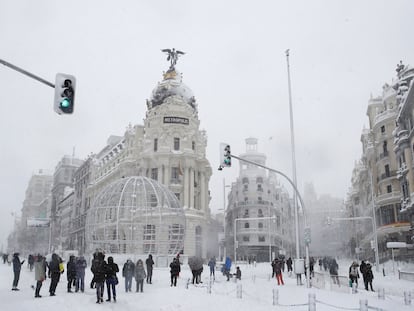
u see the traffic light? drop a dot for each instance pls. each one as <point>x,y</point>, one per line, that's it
<point>64,93</point>
<point>307,235</point>
<point>225,155</point>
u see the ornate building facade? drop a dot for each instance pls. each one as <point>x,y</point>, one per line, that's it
<point>258,212</point>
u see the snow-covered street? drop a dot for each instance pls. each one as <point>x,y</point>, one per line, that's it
<point>257,293</point>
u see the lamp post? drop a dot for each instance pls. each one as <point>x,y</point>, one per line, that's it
<point>374,224</point>
<point>224,217</point>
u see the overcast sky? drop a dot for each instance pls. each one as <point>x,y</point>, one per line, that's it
<point>341,52</point>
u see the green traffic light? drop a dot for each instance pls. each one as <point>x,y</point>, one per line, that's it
<point>65,103</point>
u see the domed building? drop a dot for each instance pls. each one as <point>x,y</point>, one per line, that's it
<point>169,148</point>
<point>136,215</point>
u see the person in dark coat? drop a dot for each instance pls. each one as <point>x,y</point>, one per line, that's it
<point>99,273</point>
<point>71,272</point>
<point>17,266</point>
<point>30,262</point>
<point>54,273</point>
<point>80,273</point>
<point>278,272</point>
<point>128,272</point>
<point>368,276</point>
<point>289,264</point>
<point>175,269</point>
<point>140,275</point>
<point>40,274</point>
<point>238,273</point>
<point>149,263</point>
<point>362,268</point>
<point>273,264</point>
<point>333,271</point>
<point>111,278</point>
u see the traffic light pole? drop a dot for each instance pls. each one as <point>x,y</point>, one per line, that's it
<point>301,203</point>
<point>29,74</point>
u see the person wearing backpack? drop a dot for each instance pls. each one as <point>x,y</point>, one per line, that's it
<point>353,274</point>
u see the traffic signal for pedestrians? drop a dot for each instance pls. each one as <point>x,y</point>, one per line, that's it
<point>64,93</point>
<point>225,155</point>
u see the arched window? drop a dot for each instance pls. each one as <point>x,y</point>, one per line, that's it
<point>259,180</point>
<point>246,225</point>
<point>260,213</point>
<point>260,225</point>
<point>245,180</point>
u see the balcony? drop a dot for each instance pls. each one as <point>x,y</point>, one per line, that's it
<point>388,175</point>
<point>383,155</point>
<point>402,170</point>
<point>387,198</point>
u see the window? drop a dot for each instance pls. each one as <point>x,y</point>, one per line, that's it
<point>245,187</point>
<point>154,173</point>
<point>389,189</point>
<point>262,239</point>
<point>384,147</point>
<point>155,144</point>
<point>259,188</point>
<point>178,196</point>
<point>259,180</point>
<point>175,173</point>
<point>260,225</point>
<point>246,239</point>
<point>245,180</point>
<point>193,145</point>
<point>246,225</point>
<point>176,143</point>
<point>260,213</point>
<point>387,170</point>
<point>383,129</point>
<point>246,213</point>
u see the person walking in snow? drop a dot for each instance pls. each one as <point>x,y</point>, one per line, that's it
<point>17,266</point>
<point>40,274</point>
<point>289,265</point>
<point>333,271</point>
<point>71,272</point>
<point>54,273</point>
<point>238,273</point>
<point>175,269</point>
<point>212,265</point>
<point>149,263</point>
<point>278,272</point>
<point>30,262</point>
<point>368,276</point>
<point>111,269</point>
<point>99,272</point>
<point>140,275</point>
<point>128,272</point>
<point>353,274</point>
<point>80,274</point>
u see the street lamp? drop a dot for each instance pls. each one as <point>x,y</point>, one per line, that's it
<point>224,217</point>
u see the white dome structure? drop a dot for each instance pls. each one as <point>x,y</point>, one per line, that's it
<point>136,215</point>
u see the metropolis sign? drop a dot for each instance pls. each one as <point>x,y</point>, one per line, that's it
<point>176,120</point>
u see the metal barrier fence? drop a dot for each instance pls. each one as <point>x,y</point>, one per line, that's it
<point>335,283</point>
<point>405,275</point>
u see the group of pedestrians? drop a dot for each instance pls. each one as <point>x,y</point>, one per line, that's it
<point>136,270</point>
<point>366,270</point>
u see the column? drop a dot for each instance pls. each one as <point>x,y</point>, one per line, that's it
<point>191,188</point>
<point>186,192</point>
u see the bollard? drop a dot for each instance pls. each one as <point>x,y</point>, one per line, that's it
<point>239,291</point>
<point>381,294</point>
<point>363,305</point>
<point>407,298</point>
<point>186,284</point>
<point>312,302</point>
<point>254,278</point>
<point>275,296</point>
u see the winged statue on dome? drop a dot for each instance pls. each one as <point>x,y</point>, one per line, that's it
<point>173,55</point>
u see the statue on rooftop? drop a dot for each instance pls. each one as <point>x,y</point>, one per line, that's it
<point>172,56</point>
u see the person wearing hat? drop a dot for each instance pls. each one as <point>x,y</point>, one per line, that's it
<point>17,266</point>
<point>40,273</point>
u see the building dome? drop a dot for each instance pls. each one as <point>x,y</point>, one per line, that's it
<point>172,85</point>
<point>136,215</point>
